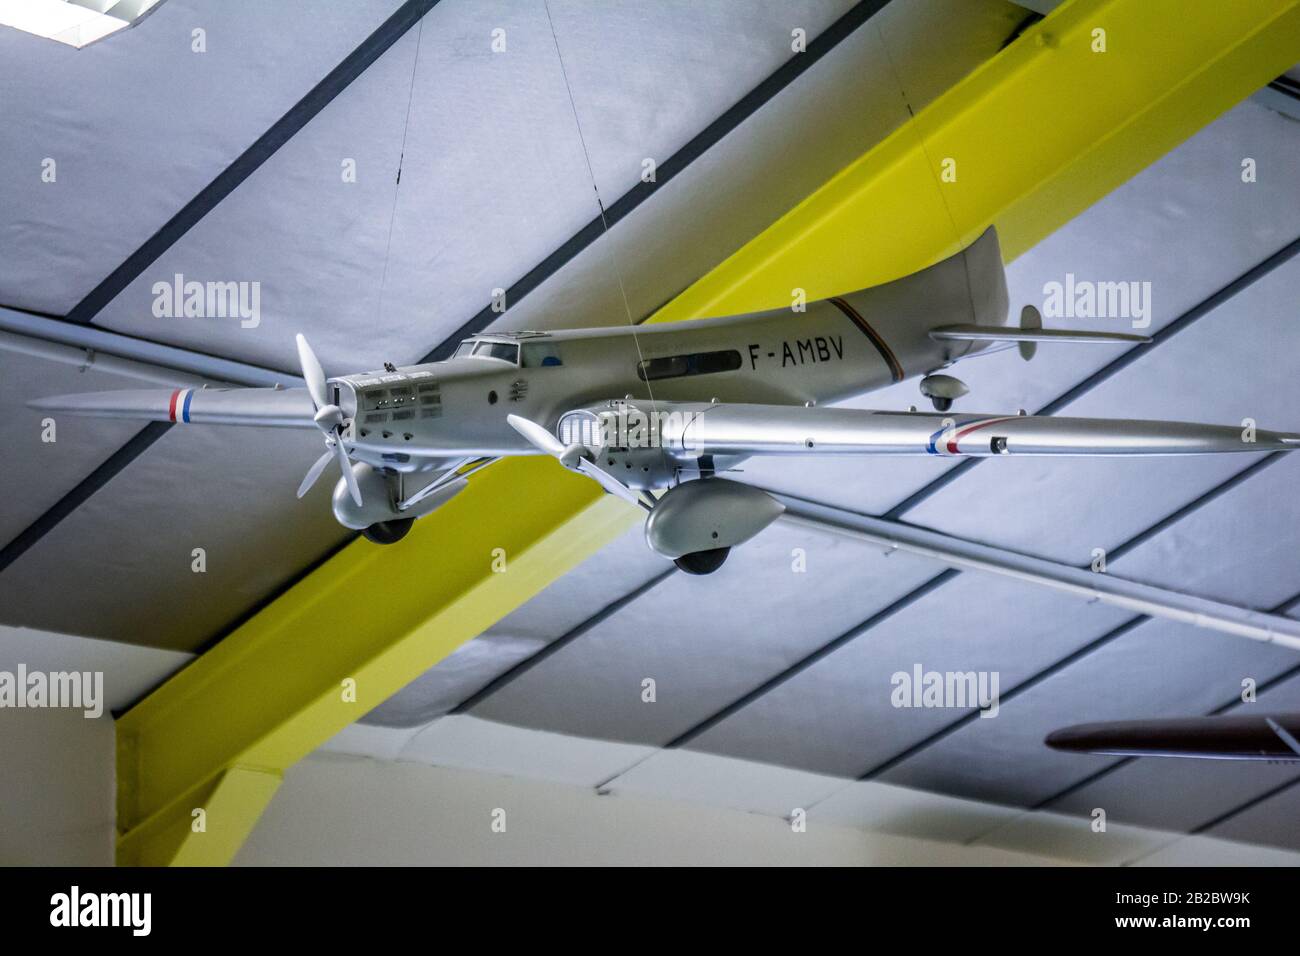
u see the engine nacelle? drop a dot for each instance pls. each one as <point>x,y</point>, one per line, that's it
<point>377,503</point>
<point>707,515</point>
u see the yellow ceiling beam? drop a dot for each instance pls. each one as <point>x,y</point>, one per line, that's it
<point>1027,142</point>
<point>1037,134</point>
<point>211,742</point>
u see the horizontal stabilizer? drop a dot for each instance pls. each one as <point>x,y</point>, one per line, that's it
<point>273,407</point>
<point>984,333</point>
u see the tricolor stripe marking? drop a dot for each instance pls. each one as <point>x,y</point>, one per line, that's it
<point>957,431</point>
<point>180,403</point>
<point>886,353</point>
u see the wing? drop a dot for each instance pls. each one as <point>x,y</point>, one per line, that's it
<point>1229,737</point>
<point>722,429</point>
<point>275,407</point>
<point>981,333</point>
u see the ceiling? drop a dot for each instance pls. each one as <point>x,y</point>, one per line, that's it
<point>759,662</point>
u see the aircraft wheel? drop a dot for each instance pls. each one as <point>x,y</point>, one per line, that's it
<point>702,562</point>
<point>942,404</point>
<point>388,532</point>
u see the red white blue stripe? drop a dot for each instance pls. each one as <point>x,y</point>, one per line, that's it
<point>954,432</point>
<point>178,409</point>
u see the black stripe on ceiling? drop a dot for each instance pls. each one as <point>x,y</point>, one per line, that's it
<point>718,716</point>
<point>1205,306</point>
<point>1027,684</point>
<point>797,668</point>
<point>1249,804</point>
<point>266,145</point>
<point>84,489</point>
<point>528,663</point>
<point>1284,84</point>
<point>749,104</point>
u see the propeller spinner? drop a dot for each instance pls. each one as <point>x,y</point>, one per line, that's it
<point>330,420</point>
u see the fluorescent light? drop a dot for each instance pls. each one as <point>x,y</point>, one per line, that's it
<point>74,22</point>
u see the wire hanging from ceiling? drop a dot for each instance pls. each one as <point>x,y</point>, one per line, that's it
<point>591,172</point>
<point>401,159</point>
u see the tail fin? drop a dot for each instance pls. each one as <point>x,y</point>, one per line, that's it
<point>986,279</point>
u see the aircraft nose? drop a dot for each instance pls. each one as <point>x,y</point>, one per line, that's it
<point>343,394</point>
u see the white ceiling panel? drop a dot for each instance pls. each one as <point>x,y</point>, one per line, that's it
<point>1258,519</point>
<point>139,123</point>
<point>408,263</point>
<point>38,473</point>
<point>1157,669</point>
<point>474,744</point>
<point>705,641</point>
<point>1270,821</point>
<point>601,580</point>
<point>839,716</point>
<point>121,566</point>
<point>708,778</point>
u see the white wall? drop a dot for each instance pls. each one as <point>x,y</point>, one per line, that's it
<point>340,810</point>
<point>57,767</point>
<point>56,788</point>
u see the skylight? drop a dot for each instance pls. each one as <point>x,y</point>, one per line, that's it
<point>74,22</point>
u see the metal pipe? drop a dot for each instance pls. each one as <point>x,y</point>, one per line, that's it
<point>85,359</point>
<point>1093,586</point>
<point>181,362</point>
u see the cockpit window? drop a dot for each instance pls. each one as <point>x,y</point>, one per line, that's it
<point>465,348</point>
<point>506,351</point>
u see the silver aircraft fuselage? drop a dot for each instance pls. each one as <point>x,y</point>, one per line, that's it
<point>836,349</point>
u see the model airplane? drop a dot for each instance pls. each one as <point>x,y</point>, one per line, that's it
<point>1267,737</point>
<point>671,407</point>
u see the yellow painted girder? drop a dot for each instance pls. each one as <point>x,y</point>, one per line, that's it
<point>1037,134</point>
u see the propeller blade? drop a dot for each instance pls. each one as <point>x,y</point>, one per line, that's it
<point>609,482</point>
<point>540,438</point>
<point>353,488</point>
<point>311,371</point>
<point>536,435</point>
<point>314,472</point>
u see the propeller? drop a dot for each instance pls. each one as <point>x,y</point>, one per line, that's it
<point>576,457</point>
<point>329,419</point>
